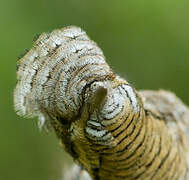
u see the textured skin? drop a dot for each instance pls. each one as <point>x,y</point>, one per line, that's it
<point>111,130</point>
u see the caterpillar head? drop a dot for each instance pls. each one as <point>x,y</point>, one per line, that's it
<point>55,75</point>
<point>65,81</point>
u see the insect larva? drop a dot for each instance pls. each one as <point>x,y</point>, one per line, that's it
<point>100,119</point>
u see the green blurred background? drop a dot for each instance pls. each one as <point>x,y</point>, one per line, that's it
<point>143,40</point>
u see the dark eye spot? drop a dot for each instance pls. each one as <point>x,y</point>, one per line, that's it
<point>63,121</point>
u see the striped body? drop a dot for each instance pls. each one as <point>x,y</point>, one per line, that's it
<point>112,131</point>
<point>141,146</point>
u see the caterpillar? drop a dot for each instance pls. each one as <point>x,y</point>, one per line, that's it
<point>110,129</point>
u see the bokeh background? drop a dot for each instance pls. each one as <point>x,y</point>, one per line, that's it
<point>143,40</point>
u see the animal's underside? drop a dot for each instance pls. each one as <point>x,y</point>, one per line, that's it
<point>111,130</point>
